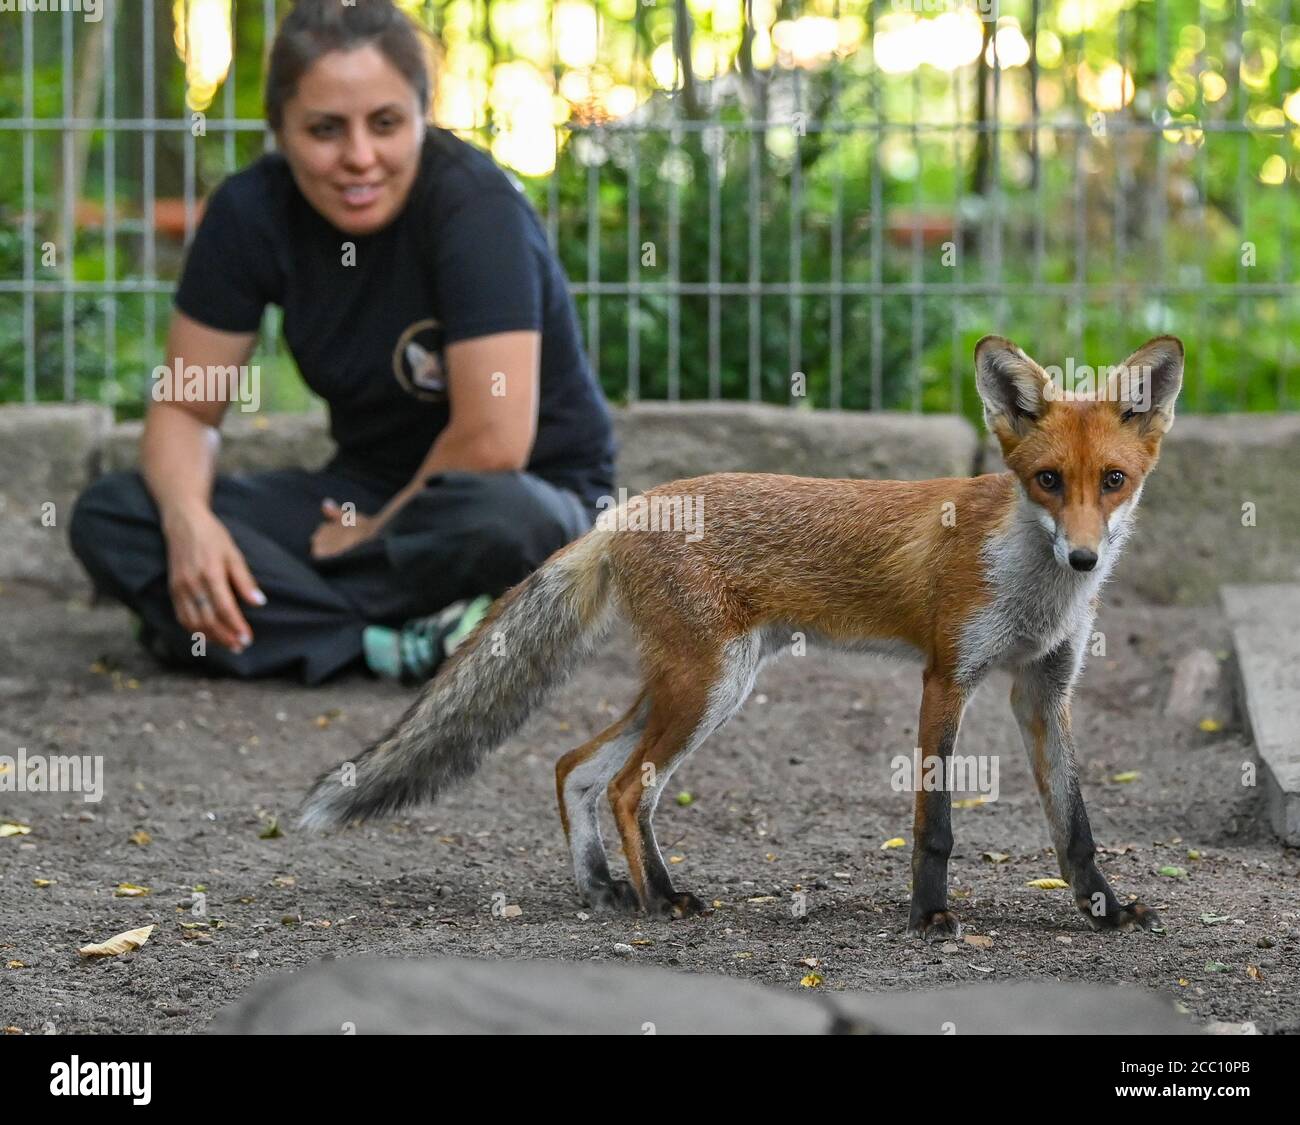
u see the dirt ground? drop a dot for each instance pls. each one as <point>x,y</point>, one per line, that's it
<point>793,796</point>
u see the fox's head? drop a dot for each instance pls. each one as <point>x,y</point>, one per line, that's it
<point>1082,453</point>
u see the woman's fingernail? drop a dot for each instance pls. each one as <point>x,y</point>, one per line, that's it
<point>244,641</point>
<point>259,598</point>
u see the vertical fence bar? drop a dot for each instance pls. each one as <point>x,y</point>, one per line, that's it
<point>918,328</point>
<point>835,123</point>
<point>796,239</point>
<point>757,139</point>
<point>268,38</point>
<point>1203,201</point>
<point>1161,201</point>
<point>1082,133</point>
<point>1035,119</point>
<point>1284,300</point>
<point>1239,100</point>
<point>674,264</point>
<point>1118,145</point>
<point>149,183</point>
<point>593,251</point>
<point>958,243</point>
<point>599,136</point>
<point>995,179</point>
<point>110,196</point>
<point>553,183</point>
<point>29,217</point>
<point>713,152</point>
<point>877,231</point>
<point>187,145</point>
<point>69,220</point>
<point>228,153</point>
<point>675,156</point>
<point>634,229</point>
<point>634,256</point>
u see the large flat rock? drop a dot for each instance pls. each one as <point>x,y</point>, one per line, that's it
<point>671,441</point>
<point>48,453</point>
<point>1263,621</point>
<point>455,996</point>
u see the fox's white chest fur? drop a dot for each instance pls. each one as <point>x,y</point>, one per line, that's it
<point>1037,602</point>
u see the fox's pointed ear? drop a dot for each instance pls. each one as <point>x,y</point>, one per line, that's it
<point>1145,387</point>
<point>1013,388</point>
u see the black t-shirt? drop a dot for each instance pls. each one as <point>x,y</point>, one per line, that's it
<point>467,256</point>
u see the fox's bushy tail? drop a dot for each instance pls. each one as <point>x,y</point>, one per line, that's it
<point>528,644</point>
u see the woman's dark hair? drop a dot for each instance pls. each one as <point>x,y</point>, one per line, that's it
<point>316,27</point>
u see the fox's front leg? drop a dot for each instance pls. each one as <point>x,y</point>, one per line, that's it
<point>941,708</point>
<point>1040,698</point>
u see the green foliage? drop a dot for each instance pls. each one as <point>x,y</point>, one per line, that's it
<point>1080,245</point>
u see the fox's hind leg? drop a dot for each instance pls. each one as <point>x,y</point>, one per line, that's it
<point>688,703</point>
<point>581,776</point>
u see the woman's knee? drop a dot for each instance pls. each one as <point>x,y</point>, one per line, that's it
<point>523,516</point>
<point>103,506</point>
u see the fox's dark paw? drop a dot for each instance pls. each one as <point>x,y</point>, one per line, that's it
<point>937,924</point>
<point>616,895</point>
<point>1134,916</point>
<point>682,905</point>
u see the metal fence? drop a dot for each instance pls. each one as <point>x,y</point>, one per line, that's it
<point>827,204</point>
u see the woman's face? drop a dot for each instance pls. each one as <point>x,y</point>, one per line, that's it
<point>352,134</point>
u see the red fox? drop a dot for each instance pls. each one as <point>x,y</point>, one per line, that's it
<point>1010,581</point>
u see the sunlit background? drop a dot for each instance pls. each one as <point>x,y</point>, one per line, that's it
<point>738,190</point>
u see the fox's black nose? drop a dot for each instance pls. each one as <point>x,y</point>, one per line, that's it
<point>1083,559</point>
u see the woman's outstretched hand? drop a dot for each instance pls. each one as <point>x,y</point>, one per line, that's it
<point>341,530</point>
<point>206,575</point>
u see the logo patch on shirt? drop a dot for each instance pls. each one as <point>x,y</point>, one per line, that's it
<point>417,361</point>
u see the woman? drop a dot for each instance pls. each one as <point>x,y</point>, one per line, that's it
<point>421,301</point>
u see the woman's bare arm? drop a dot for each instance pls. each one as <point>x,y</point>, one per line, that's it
<point>178,454</point>
<point>178,451</point>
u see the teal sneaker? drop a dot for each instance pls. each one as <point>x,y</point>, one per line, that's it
<point>413,653</point>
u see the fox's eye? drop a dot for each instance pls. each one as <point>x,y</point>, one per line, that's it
<point>1113,480</point>
<point>1049,480</point>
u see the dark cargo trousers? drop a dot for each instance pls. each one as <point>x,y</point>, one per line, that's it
<point>463,535</point>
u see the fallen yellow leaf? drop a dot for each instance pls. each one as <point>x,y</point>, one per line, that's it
<point>123,943</point>
<point>42,882</point>
<point>812,980</point>
<point>1048,884</point>
<point>12,829</point>
<point>130,890</point>
<point>16,965</point>
<point>676,858</point>
<point>1209,725</point>
<point>141,838</point>
<point>896,842</point>
<point>1127,775</point>
<point>969,802</point>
